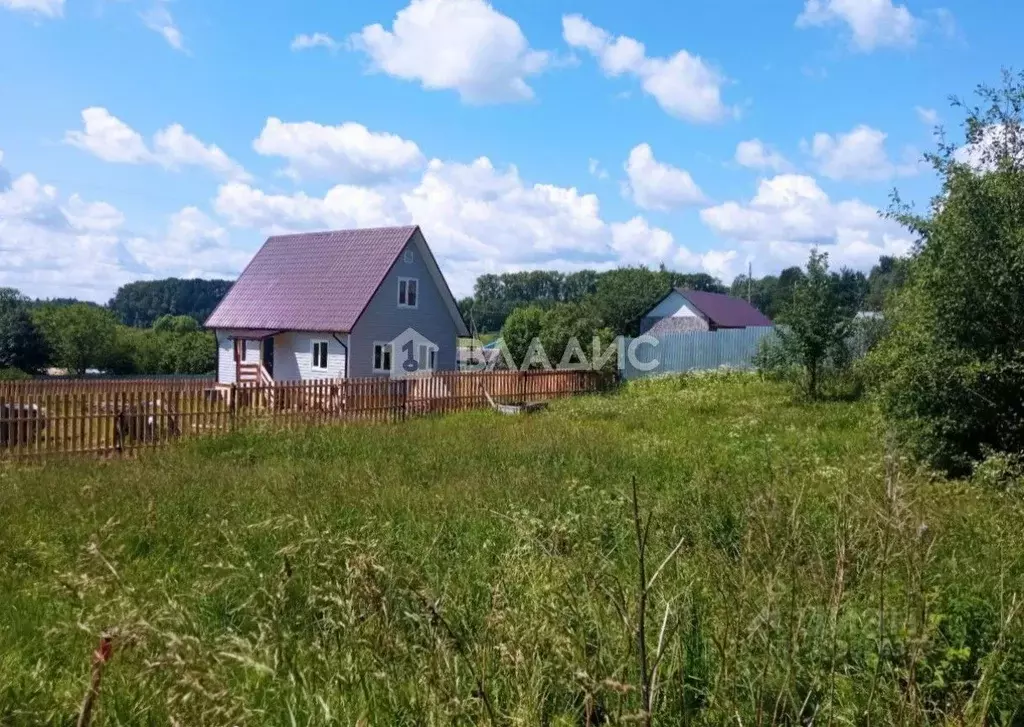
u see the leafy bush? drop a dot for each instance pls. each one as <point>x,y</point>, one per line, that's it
<point>951,373</point>
<point>774,361</point>
<point>521,328</point>
<point>13,374</point>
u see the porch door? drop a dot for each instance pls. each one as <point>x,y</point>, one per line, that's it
<point>268,355</point>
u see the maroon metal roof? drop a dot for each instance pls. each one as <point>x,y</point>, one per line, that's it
<point>724,310</point>
<point>319,281</point>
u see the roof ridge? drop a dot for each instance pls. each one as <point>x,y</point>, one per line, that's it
<point>344,229</point>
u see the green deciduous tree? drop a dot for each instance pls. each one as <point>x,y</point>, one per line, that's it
<point>21,344</point>
<point>815,322</point>
<point>80,336</point>
<point>951,372</point>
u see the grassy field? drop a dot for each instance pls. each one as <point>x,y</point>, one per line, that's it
<point>476,569</point>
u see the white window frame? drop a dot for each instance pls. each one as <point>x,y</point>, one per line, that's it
<point>406,282</point>
<point>431,359</point>
<point>314,364</point>
<point>385,347</point>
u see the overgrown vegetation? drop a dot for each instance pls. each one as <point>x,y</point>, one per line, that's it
<point>477,569</point>
<point>951,374</point>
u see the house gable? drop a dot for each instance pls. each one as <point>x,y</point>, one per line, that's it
<point>674,305</point>
<point>384,319</point>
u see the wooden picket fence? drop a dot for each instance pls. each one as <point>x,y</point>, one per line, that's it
<point>104,421</point>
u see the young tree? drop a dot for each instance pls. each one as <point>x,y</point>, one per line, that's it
<point>951,372</point>
<point>21,344</point>
<point>815,322</point>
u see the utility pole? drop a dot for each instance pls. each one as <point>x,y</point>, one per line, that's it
<point>750,281</point>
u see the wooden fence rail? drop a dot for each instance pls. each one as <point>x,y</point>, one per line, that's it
<point>142,415</point>
<point>10,389</point>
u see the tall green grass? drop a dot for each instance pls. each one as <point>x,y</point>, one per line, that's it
<point>477,569</point>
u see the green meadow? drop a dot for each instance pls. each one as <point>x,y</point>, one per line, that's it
<point>479,569</point>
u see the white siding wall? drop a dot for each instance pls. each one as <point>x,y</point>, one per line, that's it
<point>225,358</point>
<point>226,355</point>
<point>293,356</point>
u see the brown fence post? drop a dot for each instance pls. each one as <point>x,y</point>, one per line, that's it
<point>232,405</point>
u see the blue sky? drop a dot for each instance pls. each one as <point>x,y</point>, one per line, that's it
<point>149,138</point>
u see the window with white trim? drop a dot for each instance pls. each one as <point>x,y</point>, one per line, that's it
<point>432,358</point>
<point>408,293</point>
<point>381,357</point>
<point>319,356</point>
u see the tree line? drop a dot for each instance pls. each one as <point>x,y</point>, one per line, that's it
<point>148,327</point>
<point>82,337</point>
<point>619,297</point>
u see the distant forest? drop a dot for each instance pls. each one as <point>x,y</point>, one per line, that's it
<point>140,304</point>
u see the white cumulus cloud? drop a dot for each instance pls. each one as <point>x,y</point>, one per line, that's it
<point>48,8</point>
<point>684,85</point>
<point>872,23</point>
<point>347,152</point>
<point>859,155</point>
<point>109,138</point>
<point>112,140</point>
<point>654,185</point>
<point>478,218</point>
<point>755,154</point>
<point>193,246</point>
<point>463,45</point>
<point>54,246</point>
<point>315,40</point>
<point>174,147</point>
<point>790,214</point>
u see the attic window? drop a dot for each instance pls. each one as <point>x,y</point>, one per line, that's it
<point>407,257</point>
<point>408,293</point>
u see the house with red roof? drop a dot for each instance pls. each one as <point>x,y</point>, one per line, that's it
<point>692,311</point>
<point>333,305</point>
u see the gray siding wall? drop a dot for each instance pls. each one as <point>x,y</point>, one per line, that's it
<point>383,320</point>
<point>293,356</point>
